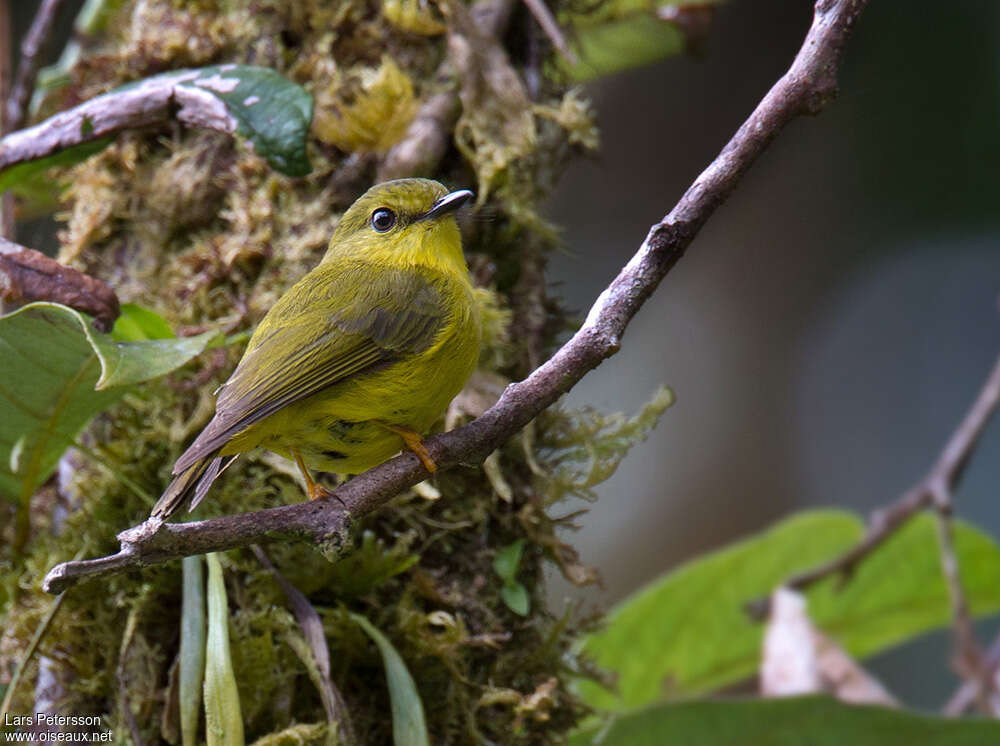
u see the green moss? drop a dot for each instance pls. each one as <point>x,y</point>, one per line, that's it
<point>199,228</point>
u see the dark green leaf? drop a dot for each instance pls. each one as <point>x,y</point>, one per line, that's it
<point>686,633</point>
<point>805,721</point>
<point>58,373</point>
<point>270,111</point>
<point>192,655</point>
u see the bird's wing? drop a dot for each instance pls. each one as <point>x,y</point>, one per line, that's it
<point>333,324</point>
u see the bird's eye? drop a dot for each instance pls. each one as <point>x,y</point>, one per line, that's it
<point>383,219</point>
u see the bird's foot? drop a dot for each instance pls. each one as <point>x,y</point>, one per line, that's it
<point>318,491</point>
<point>415,443</point>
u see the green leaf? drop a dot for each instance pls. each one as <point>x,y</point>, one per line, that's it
<point>507,559</point>
<point>25,173</point>
<point>408,726</point>
<point>223,718</point>
<point>686,633</point>
<point>192,654</point>
<point>58,373</point>
<point>270,111</point>
<point>137,324</point>
<point>618,35</point>
<point>799,721</point>
<point>622,45</point>
<point>515,596</point>
<point>899,590</point>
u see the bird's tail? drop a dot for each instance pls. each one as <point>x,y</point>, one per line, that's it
<point>192,483</point>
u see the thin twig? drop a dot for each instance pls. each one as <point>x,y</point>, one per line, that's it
<point>935,490</point>
<point>28,654</point>
<point>548,23</point>
<point>970,690</point>
<point>31,58</point>
<point>6,70</point>
<point>969,659</point>
<point>808,85</point>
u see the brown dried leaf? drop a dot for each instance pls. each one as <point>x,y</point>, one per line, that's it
<point>799,659</point>
<point>27,275</point>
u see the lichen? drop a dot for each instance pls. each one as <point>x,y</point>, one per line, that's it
<point>198,227</point>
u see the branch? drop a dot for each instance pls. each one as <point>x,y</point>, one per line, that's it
<point>551,28</point>
<point>6,62</point>
<point>153,101</point>
<point>31,57</point>
<point>808,85</point>
<point>27,275</point>
<point>934,490</point>
<point>427,138</point>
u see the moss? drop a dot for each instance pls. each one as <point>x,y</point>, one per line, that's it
<point>198,227</point>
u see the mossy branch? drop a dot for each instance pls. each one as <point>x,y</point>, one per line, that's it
<point>150,102</point>
<point>806,88</point>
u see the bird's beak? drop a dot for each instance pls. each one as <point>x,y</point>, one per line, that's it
<point>448,203</point>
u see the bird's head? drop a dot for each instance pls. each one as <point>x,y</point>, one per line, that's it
<point>403,222</point>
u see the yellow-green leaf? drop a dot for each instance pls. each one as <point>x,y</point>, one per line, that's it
<point>223,719</point>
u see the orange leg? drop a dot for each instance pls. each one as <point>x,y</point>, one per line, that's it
<point>415,443</point>
<point>315,490</point>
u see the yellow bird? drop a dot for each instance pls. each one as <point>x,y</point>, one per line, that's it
<point>360,357</point>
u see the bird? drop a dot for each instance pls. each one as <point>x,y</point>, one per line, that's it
<point>359,358</point>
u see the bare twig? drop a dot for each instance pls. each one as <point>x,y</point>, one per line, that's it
<point>969,659</point>
<point>31,57</point>
<point>6,65</point>
<point>971,690</point>
<point>150,102</point>
<point>807,86</point>
<point>27,655</point>
<point>27,275</point>
<point>545,19</point>
<point>934,490</point>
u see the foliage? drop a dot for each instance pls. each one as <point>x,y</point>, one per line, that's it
<point>583,448</point>
<point>408,727</point>
<point>206,230</point>
<point>624,34</point>
<point>271,112</point>
<point>688,633</point>
<point>59,372</point>
<point>192,649</point>
<point>806,721</point>
<point>505,565</point>
<point>223,718</point>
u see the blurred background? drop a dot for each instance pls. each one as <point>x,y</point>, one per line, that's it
<point>833,321</point>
